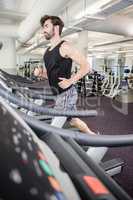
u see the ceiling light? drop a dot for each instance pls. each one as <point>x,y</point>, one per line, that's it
<point>96,7</point>
<point>124,51</point>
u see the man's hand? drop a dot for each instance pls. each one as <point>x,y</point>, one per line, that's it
<point>40,72</point>
<point>64,83</point>
<point>36,71</point>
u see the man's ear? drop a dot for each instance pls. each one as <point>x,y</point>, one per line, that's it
<point>57,28</point>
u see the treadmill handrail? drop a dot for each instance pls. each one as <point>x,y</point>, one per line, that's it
<point>40,109</point>
<point>83,139</point>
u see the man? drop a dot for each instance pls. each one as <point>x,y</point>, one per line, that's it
<point>58,62</point>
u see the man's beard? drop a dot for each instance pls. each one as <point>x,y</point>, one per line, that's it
<point>48,36</point>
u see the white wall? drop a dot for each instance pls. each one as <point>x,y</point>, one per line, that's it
<point>129,61</point>
<point>97,64</point>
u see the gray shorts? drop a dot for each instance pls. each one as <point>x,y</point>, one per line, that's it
<point>67,100</point>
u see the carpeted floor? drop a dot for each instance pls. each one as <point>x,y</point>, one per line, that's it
<point>114,118</point>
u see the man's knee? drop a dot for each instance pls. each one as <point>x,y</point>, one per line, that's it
<point>73,121</point>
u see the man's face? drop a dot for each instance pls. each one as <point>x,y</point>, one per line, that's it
<point>48,29</point>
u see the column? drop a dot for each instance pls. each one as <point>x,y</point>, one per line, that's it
<point>8,55</point>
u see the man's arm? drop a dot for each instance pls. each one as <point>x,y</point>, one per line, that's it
<point>68,50</point>
<point>40,72</point>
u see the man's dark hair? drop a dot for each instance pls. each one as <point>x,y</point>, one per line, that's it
<point>54,20</point>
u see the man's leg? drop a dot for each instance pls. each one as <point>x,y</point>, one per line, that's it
<point>82,126</point>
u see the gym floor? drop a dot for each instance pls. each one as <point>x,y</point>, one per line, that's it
<point>115,118</point>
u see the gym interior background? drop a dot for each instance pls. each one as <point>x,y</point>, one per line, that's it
<point>103,31</point>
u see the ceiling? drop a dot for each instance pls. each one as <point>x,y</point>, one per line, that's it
<point>14,11</point>
<point>100,28</point>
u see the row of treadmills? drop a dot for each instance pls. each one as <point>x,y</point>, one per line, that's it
<point>42,162</point>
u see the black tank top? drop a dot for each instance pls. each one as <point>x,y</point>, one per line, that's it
<point>57,66</point>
